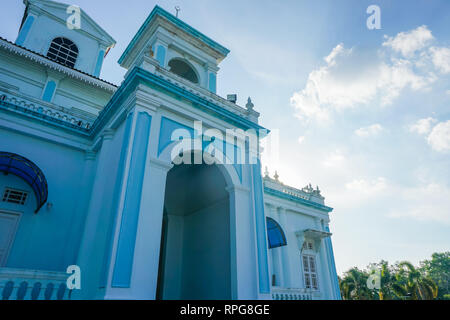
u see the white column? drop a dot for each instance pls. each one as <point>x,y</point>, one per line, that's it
<point>148,238</point>
<point>327,289</point>
<point>300,237</point>
<point>285,250</point>
<point>243,266</point>
<point>90,257</point>
<point>135,255</point>
<point>331,265</point>
<point>82,205</point>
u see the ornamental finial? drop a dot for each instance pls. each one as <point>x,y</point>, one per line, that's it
<point>266,173</point>
<point>276,176</point>
<point>317,191</point>
<point>249,104</point>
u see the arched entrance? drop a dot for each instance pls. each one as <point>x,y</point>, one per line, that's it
<point>195,248</point>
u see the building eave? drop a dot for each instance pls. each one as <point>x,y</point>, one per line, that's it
<point>43,60</point>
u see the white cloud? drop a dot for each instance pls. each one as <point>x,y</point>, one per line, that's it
<point>334,160</point>
<point>350,79</point>
<point>430,202</point>
<point>422,126</point>
<point>301,139</point>
<point>371,130</point>
<point>439,138</point>
<point>338,50</point>
<point>441,59</point>
<point>408,43</point>
<point>365,187</point>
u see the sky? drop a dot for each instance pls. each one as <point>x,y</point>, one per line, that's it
<point>364,114</point>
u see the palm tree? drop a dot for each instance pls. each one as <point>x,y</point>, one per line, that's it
<point>387,279</point>
<point>412,285</point>
<point>354,285</point>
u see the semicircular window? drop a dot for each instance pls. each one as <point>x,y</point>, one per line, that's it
<point>275,234</point>
<point>181,68</point>
<point>11,163</point>
<point>64,51</point>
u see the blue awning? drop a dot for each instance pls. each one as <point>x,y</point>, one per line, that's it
<point>275,234</point>
<point>28,171</point>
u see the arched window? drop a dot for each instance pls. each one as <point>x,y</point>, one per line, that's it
<point>64,51</point>
<point>11,163</point>
<point>275,234</point>
<point>181,68</point>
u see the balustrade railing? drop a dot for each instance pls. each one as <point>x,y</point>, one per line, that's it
<point>23,284</point>
<point>291,294</point>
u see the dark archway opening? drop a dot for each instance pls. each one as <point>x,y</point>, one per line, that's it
<point>195,247</point>
<point>184,70</point>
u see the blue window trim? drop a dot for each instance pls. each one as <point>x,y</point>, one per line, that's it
<point>161,55</point>
<point>98,66</point>
<point>212,82</point>
<point>49,91</point>
<point>275,234</point>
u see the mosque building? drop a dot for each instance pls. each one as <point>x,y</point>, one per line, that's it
<point>93,177</point>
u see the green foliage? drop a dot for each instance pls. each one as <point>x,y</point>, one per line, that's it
<point>401,281</point>
<point>438,270</point>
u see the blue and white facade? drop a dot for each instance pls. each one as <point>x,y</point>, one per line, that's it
<point>91,174</point>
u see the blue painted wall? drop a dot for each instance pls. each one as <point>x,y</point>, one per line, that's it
<point>25,30</point>
<point>47,240</point>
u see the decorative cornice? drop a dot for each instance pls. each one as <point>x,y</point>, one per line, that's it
<point>286,196</point>
<point>108,134</point>
<point>90,155</point>
<point>237,188</point>
<point>307,193</point>
<point>316,234</point>
<point>46,115</point>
